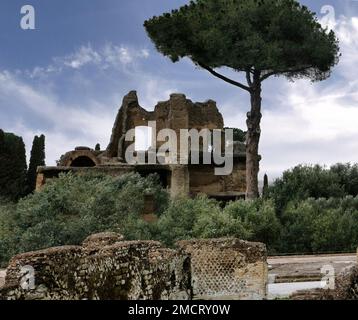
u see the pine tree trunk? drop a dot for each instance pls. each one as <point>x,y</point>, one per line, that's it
<point>252,143</point>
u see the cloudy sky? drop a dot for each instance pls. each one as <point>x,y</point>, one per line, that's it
<point>66,79</point>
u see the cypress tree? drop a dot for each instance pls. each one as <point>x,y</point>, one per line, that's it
<point>2,143</point>
<point>265,187</point>
<point>12,166</point>
<point>37,159</point>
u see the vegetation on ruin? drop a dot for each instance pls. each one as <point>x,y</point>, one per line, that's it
<point>257,38</point>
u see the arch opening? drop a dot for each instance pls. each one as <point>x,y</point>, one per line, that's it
<point>82,162</point>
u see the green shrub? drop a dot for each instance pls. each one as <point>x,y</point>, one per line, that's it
<point>320,225</point>
<point>203,218</point>
<point>258,219</point>
<point>348,177</point>
<point>187,218</point>
<point>178,221</point>
<point>217,224</point>
<point>72,207</point>
<point>7,234</point>
<point>303,182</point>
<point>298,227</point>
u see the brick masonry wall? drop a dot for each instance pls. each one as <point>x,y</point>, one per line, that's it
<point>98,270</point>
<point>228,269</point>
<point>107,268</point>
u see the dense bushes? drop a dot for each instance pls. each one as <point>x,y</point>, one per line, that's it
<point>323,225</point>
<point>74,206</point>
<point>7,231</point>
<point>204,218</point>
<point>303,182</point>
<point>258,219</point>
<point>347,175</point>
<point>197,218</point>
<point>309,226</point>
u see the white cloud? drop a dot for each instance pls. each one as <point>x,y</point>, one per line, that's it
<point>70,125</point>
<point>117,56</point>
<point>153,91</point>
<point>107,56</point>
<point>83,56</point>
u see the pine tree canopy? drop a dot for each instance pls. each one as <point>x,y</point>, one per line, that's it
<point>275,37</point>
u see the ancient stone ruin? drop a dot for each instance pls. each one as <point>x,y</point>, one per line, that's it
<point>108,268</point>
<point>177,113</point>
<point>103,268</point>
<point>228,269</point>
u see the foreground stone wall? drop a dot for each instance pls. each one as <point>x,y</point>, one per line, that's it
<point>106,267</point>
<point>228,269</point>
<point>2,278</point>
<point>101,270</point>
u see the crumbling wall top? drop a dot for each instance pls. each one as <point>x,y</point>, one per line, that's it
<point>176,113</point>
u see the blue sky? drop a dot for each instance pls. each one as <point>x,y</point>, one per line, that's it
<point>66,79</point>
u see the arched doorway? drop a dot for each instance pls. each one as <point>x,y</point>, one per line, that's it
<point>82,162</point>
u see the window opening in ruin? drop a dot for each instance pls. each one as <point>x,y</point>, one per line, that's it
<point>143,138</point>
<point>164,175</point>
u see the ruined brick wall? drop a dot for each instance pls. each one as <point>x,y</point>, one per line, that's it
<point>227,269</point>
<point>177,113</point>
<point>106,267</point>
<point>204,180</point>
<point>102,268</point>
